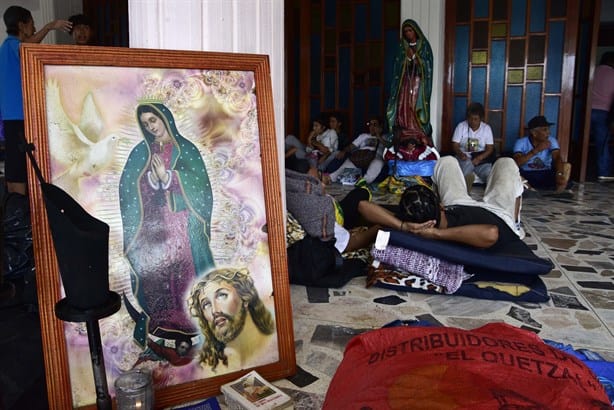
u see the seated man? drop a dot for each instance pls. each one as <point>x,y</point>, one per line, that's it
<point>539,159</point>
<point>473,145</point>
<point>365,152</point>
<point>493,223</point>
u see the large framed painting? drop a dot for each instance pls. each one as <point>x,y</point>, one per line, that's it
<point>175,151</point>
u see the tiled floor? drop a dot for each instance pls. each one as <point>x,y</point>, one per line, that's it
<point>577,235</point>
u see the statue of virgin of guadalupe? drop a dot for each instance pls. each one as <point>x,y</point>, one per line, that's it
<point>408,111</point>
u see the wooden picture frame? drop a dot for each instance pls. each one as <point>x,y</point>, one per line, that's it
<point>221,103</point>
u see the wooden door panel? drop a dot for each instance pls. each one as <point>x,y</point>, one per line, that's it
<point>110,21</point>
<point>344,63</point>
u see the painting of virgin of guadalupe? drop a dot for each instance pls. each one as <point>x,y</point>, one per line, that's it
<point>166,202</point>
<point>176,153</point>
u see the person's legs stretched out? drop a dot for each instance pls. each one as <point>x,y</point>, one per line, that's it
<point>504,190</point>
<point>450,182</point>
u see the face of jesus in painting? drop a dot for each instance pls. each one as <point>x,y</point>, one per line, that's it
<point>224,310</point>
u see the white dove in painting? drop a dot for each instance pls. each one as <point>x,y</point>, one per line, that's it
<point>81,151</point>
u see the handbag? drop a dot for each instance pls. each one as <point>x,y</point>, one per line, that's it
<point>363,157</point>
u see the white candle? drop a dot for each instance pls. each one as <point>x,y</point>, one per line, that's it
<point>133,390</point>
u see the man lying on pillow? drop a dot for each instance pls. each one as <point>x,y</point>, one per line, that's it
<point>451,214</point>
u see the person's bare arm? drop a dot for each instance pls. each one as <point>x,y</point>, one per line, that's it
<point>522,159</point>
<point>291,151</point>
<point>558,166</point>
<point>37,37</point>
<point>489,149</point>
<point>478,235</point>
<point>557,161</point>
<point>311,138</point>
<point>320,147</point>
<point>376,214</point>
<point>362,239</point>
<point>458,152</point>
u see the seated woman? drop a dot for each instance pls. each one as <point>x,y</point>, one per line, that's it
<point>473,145</point>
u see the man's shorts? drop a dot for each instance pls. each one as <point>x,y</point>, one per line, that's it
<point>15,158</point>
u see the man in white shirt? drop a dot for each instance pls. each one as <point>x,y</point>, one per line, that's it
<point>374,142</point>
<point>473,145</point>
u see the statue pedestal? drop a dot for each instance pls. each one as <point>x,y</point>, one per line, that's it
<point>68,313</point>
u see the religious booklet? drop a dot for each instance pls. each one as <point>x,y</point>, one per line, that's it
<point>253,392</point>
<point>349,176</point>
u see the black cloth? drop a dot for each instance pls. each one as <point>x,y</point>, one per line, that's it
<point>22,374</point>
<point>81,245</point>
<point>459,215</point>
<point>18,255</point>
<point>15,162</point>
<point>335,164</point>
<point>349,206</point>
<point>317,263</point>
<point>343,140</point>
<point>297,164</point>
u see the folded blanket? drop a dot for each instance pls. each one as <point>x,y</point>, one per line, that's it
<point>381,274</point>
<point>437,271</point>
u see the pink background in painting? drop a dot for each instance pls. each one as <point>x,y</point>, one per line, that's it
<point>216,111</point>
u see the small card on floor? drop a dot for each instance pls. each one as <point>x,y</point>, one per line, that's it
<point>389,300</point>
<point>317,295</point>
